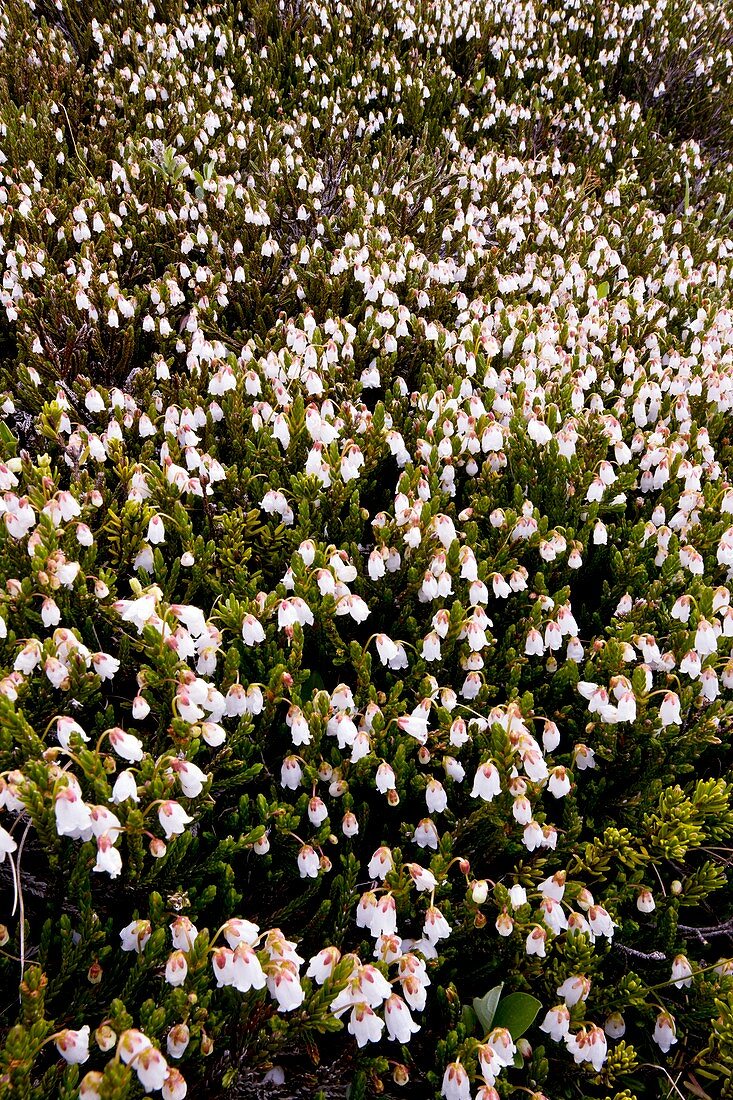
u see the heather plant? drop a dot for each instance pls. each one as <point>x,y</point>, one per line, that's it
<point>366,375</point>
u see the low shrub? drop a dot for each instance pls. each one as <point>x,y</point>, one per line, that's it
<point>366,550</point>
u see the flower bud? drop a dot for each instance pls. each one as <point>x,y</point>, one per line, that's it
<point>94,973</point>
<point>178,1039</point>
<point>90,1085</point>
<point>400,1074</point>
<point>207,1044</point>
<point>4,935</point>
<point>524,1048</point>
<point>393,798</point>
<point>480,891</point>
<point>157,847</point>
<point>106,1038</point>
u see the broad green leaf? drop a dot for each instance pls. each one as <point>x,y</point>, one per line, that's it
<point>603,289</point>
<point>469,1019</point>
<point>310,686</point>
<point>516,1013</point>
<point>485,1007</point>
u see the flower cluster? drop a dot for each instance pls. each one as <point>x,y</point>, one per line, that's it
<point>366,545</point>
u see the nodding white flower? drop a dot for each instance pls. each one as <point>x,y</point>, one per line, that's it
<point>222,962</point>
<point>556,1023</point>
<point>665,1032</point>
<point>399,1021</point>
<point>490,1066</point>
<point>73,816</point>
<point>487,782</point>
<point>691,664</point>
<point>559,782</point>
<point>174,1086</point>
<point>416,724</point>
<point>177,1040</point>
<point>436,797</point>
<point>139,611</point>
<point>385,778</point>
<point>366,910</point>
<point>176,968</point>
<point>135,935</point>
<point>532,837</point>
<point>126,745</point>
<point>7,844</point>
<point>151,1068</point>
<point>426,835</point>
<point>535,943</point>
<point>615,1026</point>
<point>28,658</point>
<point>534,765</point>
<point>317,811</point>
<point>132,1044</point>
<point>125,787</point>
<point>574,989</point>
<point>645,902</point>
<point>681,608</point>
<point>109,859</point>
<point>105,666</point>
<point>706,641</point>
<point>588,1046</point>
<point>322,965</point>
<point>183,933</point>
<point>65,727</point>
<point>284,985</point>
<point>190,776</point>
<point>386,648</point>
<point>600,922</point>
<point>669,711</point>
<point>436,927</point>
<point>308,862</point>
<point>50,612</point>
<point>553,915</point>
<point>388,948</point>
<point>365,1025</point>
<point>423,878</point>
<point>681,972</point>
<point>140,707</point>
<point>246,969</point>
<point>502,1044</point>
<point>522,810</point>
<point>173,818</point>
<point>584,757</point>
<point>252,630</point>
<point>73,1046</point>
<point>354,606</point>
<point>456,1084</point>
<point>381,863</point>
<point>600,534</point>
<point>156,530</point>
